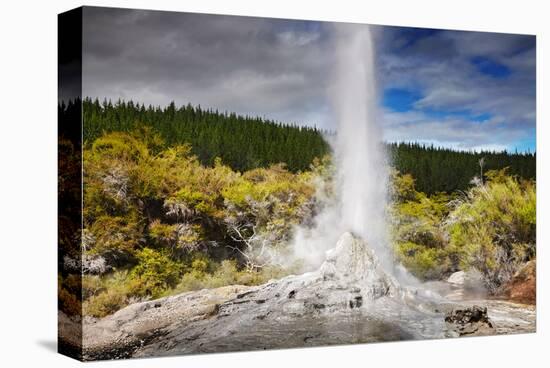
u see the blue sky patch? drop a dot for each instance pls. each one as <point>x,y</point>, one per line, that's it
<point>527,145</point>
<point>490,67</point>
<point>400,99</point>
<point>403,100</point>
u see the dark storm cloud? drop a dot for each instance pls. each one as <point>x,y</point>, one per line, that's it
<point>470,89</point>
<point>268,67</point>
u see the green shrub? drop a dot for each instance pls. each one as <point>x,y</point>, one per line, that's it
<point>183,237</point>
<point>420,240</point>
<point>92,285</point>
<point>119,146</point>
<point>105,303</point>
<point>115,234</point>
<point>493,227</point>
<point>156,272</point>
<point>422,261</point>
<point>104,295</point>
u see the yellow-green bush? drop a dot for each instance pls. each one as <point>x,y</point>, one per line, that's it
<point>156,272</point>
<point>176,236</point>
<point>119,146</point>
<point>420,240</point>
<point>104,295</point>
<point>118,234</point>
<point>493,227</point>
<point>423,261</point>
<point>105,303</point>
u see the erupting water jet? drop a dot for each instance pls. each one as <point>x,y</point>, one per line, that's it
<point>360,159</point>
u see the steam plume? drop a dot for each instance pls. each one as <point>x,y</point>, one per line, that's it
<point>362,175</point>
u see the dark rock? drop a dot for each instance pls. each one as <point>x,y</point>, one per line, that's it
<point>242,295</point>
<point>470,321</point>
<point>318,306</point>
<point>356,302</point>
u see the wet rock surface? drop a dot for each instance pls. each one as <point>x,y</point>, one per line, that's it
<point>349,299</point>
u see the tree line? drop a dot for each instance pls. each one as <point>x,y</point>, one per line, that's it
<point>437,169</point>
<point>245,143</point>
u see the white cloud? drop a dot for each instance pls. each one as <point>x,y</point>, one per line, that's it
<point>455,133</point>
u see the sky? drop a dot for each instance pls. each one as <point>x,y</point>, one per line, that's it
<point>463,90</point>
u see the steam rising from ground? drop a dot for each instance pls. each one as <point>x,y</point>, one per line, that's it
<point>361,165</point>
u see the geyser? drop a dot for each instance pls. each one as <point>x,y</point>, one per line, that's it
<point>360,159</point>
<point>361,164</point>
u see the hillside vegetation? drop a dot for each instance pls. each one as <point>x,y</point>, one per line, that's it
<point>162,222</point>
<point>245,143</point>
<point>490,228</point>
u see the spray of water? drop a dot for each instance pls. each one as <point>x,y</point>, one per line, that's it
<point>362,169</point>
<point>360,159</point>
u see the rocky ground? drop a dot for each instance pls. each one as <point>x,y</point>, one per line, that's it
<point>350,299</point>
